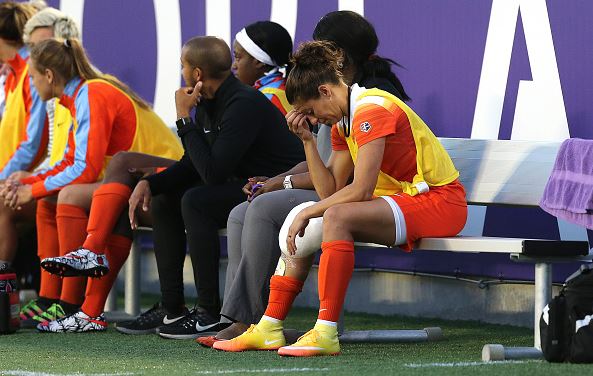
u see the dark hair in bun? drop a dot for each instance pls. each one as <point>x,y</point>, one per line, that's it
<point>314,63</point>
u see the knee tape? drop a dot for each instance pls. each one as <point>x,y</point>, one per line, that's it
<point>307,244</point>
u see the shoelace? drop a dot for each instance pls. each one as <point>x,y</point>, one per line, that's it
<point>54,312</point>
<point>311,337</point>
<point>150,314</point>
<point>31,307</point>
<point>251,329</point>
<point>191,319</point>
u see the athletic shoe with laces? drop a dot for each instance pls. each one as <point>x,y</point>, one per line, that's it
<point>81,262</point>
<point>197,323</point>
<point>54,312</point>
<point>266,335</point>
<point>149,321</point>
<point>78,322</point>
<point>28,313</point>
<point>321,340</point>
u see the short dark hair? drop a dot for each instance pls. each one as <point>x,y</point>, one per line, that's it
<point>211,54</point>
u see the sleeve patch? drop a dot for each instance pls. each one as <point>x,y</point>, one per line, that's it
<point>365,127</point>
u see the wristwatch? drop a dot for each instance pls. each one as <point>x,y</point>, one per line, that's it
<point>182,122</point>
<point>287,182</point>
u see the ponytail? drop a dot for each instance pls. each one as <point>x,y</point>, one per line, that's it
<point>68,59</point>
<point>357,37</point>
<point>380,67</point>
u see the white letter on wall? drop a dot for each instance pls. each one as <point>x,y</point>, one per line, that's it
<point>544,92</point>
<point>75,9</point>
<point>168,32</point>
<point>285,13</point>
<point>353,5</point>
<point>218,19</point>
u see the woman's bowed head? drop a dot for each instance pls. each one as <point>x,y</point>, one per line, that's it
<point>315,88</point>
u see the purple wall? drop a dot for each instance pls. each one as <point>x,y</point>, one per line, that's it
<point>441,44</point>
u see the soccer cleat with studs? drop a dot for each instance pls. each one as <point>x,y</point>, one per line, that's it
<point>78,322</point>
<point>81,262</point>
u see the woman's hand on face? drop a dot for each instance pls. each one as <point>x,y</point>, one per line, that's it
<point>297,228</point>
<point>298,123</point>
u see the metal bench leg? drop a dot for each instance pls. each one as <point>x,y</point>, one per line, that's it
<point>543,294</point>
<point>111,303</point>
<point>132,282</point>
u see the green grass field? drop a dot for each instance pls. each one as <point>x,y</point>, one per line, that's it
<point>28,353</point>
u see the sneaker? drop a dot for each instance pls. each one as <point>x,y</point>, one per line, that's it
<point>321,340</point>
<point>54,312</point>
<point>78,322</point>
<point>197,323</point>
<point>266,335</point>
<point>208,341</point>
<point>81,262</point>
<point>149,321</point>
<point>28,312</point>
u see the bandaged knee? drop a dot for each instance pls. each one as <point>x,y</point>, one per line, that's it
<point>307,244</point>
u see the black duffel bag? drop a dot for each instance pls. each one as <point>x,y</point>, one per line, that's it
<point>566,324</point>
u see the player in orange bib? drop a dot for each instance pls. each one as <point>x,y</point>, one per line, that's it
<point>391,182</point>
<point>107,118</point>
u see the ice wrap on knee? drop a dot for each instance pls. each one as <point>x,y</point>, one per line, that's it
<point>308,243</point>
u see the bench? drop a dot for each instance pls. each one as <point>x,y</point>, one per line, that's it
<point>494,173</point>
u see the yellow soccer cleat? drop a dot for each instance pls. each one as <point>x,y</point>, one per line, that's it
<point>321,340</point>
<point>263,336</point>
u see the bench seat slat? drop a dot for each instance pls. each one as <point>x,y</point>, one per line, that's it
<point>485,244</point>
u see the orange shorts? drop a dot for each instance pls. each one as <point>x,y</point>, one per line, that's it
<point>440,212</point>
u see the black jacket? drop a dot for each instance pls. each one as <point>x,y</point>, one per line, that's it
<point>236,135</point>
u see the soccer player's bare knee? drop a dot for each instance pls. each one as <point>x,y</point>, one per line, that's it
<point>118,166</point>
<point>73,195</point>
<point>336,222</point>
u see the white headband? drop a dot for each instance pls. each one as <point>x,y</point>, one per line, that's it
<point>253,49</point>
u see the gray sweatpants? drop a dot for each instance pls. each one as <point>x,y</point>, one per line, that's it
<point>253,251</point>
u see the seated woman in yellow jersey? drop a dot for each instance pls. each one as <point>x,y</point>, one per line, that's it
<point>108,118</point>
<point>23,135</point>
<point>47,23</point>
<point>391,182</point>
<point>23,132</point>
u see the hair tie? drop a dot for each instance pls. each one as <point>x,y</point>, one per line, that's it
<point>67,43</point>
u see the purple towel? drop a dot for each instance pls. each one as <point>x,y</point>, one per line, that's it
<point>569,191</point>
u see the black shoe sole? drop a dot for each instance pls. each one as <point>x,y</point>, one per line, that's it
<point>64,270</point>
<point>135,331</point>
<point>187,336</point>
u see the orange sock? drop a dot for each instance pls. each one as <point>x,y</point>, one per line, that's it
<point>283,291</point>
<point>117,251</point>
<point>48,246</point>
<point>335,270</point>
<point>108,202</point>
<point>72,222</point>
